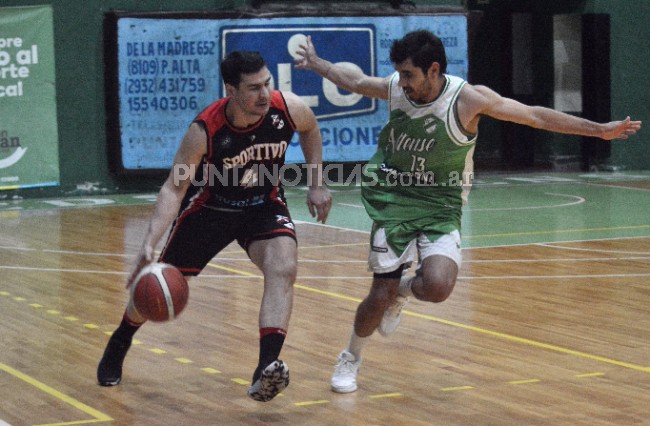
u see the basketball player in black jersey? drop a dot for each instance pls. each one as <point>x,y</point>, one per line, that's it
<point>224,186</point>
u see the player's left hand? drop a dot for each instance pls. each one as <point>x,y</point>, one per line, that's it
<point>305,57</point>
<point>620,129</point>
<point>319,202</point>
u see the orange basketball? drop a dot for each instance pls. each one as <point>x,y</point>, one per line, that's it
<point>160,292</point>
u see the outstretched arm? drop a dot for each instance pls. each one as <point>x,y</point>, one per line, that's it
<point>346,76</point>
<point>319,200</point>
<point>480,100</point>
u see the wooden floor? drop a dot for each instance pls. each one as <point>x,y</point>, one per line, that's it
<point>541,333</point>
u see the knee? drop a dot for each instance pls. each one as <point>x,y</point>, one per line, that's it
<point>380,298</point>
<point>284,270</point>
<point>438,289</point>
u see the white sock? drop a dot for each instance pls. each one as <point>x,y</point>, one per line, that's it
<point>356,344</point>
<point>405,286</point>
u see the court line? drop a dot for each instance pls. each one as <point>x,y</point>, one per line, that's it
<point>86,271</point>
<point>334,294</point>
<point>465,237</point>
<point>243,381</point>
<point>245,259</point>
<point>98,415</point>
<point>17,248</point>
<point>556,231</point>
<point>579,200</point>
<point>458,325</point>
<point>520,234</point>
<point>245,275</point>
<point>604,185</point>
<point>504,336</point>
<point>552,245</point>
<point>555,242</point>
<point>530,342</point>
<point>323,225</point>
<point>545,277</point>
<point>565,259</point>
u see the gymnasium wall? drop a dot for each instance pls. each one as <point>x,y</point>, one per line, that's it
<point>78,44</point>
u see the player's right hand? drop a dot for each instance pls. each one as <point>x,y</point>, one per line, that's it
<point>145,257</point>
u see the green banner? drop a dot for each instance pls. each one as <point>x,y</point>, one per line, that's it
<point>29,154</point>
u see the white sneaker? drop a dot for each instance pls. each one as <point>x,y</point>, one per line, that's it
<point>344,379</point>
<point>392,316</point>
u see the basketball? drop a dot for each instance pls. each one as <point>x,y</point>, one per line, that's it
<point>160,292</point>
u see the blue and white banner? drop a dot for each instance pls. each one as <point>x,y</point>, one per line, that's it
<point>168,72</point>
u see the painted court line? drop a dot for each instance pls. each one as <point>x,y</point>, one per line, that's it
<point>497,334</point>
<point>451,323</point>
<point>555,246</point>
<point>578,200</point>
<point>556,231</point>
<point>530,342</point>
<point>553,259</point>
<point>97,415</point>
<point>503,336</point>
<point>236,274</point>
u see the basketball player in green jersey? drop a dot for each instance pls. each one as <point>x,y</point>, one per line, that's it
<point>416,183</point>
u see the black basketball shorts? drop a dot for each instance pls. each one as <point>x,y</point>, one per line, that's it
<point>199,233</point>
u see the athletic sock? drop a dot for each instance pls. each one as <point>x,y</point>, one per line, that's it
<point>126,329</point>
<point>405,284</point>
<point>356,344</point>
<point>271,342</point>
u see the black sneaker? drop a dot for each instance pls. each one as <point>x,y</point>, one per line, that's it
<point>109,370</point>
<point>274,378</point>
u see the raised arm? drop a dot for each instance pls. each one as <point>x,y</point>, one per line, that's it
<point>319,200</point>
<point>188,157</point>
<point>480,100</point>
<point>345,76</point>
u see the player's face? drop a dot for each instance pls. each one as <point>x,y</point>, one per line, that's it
<point>417,85</point>
<point>253,96</point>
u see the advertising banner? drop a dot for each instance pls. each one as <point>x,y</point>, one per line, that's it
<point>29,154</point>
<point>168,71</point>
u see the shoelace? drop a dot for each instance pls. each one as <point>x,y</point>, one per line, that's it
<point>397,307</point>
<point>345,366</point>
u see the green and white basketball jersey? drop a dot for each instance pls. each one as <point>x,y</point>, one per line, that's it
<point>423,165</point>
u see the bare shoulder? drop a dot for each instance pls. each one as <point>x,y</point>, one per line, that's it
<point>293,101</point>
<point>196,134</point>
<point>300,112</point>
<point>194,143</point>
<point>477,93</point>
<point>477,99</point>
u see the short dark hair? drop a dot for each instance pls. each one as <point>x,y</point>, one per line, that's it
<point>422,47</point>
<point>240,62</point>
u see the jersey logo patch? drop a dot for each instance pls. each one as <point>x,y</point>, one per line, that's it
<point>277,122</point>
<point>225,142</point>
<point>430,129</point>
<point>284,221</point>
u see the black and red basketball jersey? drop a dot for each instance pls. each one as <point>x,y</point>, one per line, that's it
<point>242,167</point>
